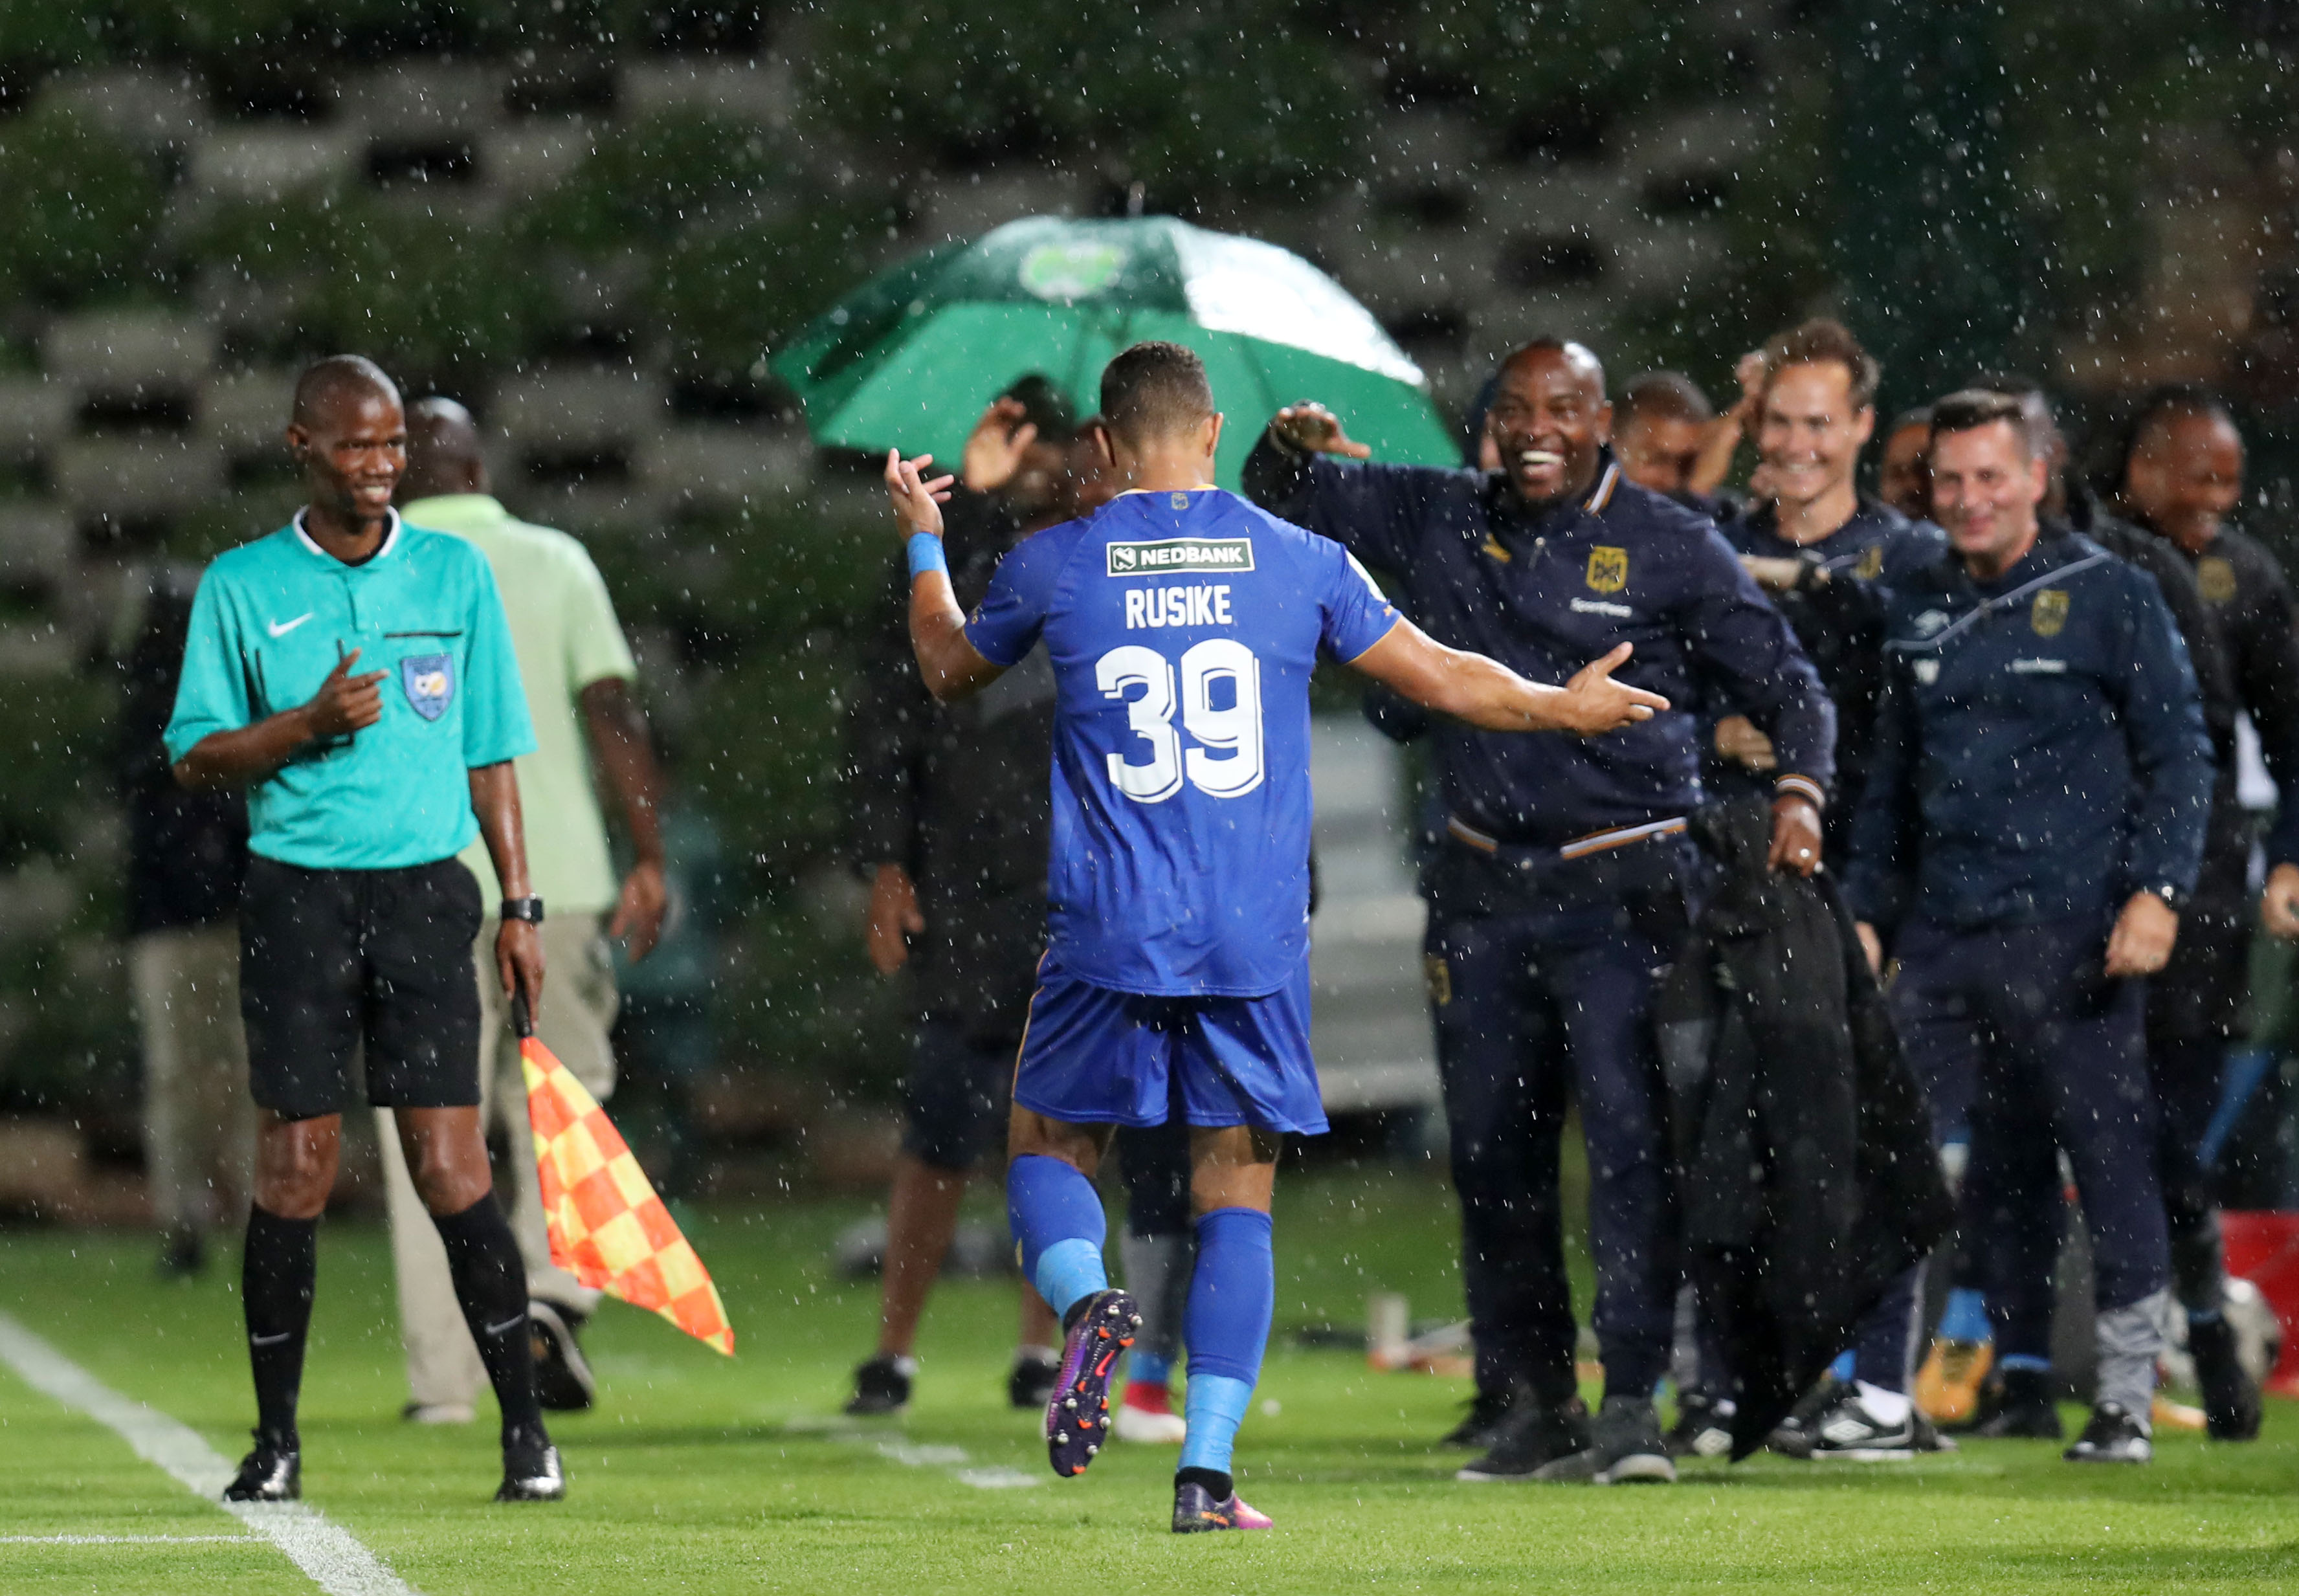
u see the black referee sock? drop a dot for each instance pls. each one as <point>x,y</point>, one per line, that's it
<point>276,1275</point>
<point>491,1285</point>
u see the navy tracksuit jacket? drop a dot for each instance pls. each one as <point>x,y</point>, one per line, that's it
<point>2040,756</point>
<point>1541,967</point>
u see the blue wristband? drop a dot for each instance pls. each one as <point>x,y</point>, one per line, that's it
<point>926,554</point>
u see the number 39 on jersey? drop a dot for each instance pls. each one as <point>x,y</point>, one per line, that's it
<point>1217,691</point>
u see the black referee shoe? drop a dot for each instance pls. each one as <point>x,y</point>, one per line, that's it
<point>272,1472</point>
<point>531,1470</point>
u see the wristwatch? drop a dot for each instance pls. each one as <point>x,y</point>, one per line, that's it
<point>529,909</point>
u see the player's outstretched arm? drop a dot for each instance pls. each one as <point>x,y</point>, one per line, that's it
<point>1489,694</point>
<point>950,667</point>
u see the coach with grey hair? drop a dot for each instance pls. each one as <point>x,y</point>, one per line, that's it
<point>2032,827</point>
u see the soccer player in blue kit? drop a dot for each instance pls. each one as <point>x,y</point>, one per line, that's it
<point>1182,625</point>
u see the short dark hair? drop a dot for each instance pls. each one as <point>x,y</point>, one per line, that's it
<point>2176,402</point>
<point>1820,341</point>
<point>1968,410</point>
<point>1154,390</point>
<point>1919,415</point>
<point>323,379</point>
<point>2160,406</point>
<point>1665,396</point>
<point>1574,352</point>
<point>1044,406</point>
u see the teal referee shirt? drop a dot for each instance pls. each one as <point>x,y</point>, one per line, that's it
<point>272,620</point>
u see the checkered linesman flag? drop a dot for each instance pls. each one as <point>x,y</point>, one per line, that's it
<point>607,1228</point>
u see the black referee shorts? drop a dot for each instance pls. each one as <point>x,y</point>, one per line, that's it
<point>333,963</point>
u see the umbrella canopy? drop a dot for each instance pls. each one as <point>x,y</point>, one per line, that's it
<point>909,360</point>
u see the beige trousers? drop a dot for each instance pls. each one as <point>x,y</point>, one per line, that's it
<point>577,1011</point>
<point>199,1121</point>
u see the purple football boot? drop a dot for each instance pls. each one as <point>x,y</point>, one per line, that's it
<point>1195,1511</point>
<point>1077,1417</point>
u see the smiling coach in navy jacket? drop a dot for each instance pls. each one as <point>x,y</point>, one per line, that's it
<point>1561,882</point>
<point>2033,824</point>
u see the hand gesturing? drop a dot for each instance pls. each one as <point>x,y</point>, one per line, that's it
<point>346,703</point>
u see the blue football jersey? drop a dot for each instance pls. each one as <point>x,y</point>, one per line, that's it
<point>1183,629</point>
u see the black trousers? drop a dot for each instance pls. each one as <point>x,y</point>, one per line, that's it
<point>1532,1009</point>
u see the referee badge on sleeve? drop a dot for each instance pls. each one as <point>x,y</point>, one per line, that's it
<point>429,682</point>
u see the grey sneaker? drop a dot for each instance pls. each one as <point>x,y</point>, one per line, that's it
<point>1627,1448</point>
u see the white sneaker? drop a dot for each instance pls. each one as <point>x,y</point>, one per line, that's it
<point>1158,1429</point>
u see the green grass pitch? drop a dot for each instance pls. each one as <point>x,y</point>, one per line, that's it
<point>697,1474</point>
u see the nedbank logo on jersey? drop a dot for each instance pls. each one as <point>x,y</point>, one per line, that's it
<point>1181,555</point>
<point>429,683</point>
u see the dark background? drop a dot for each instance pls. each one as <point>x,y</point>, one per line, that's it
<point>594,222</point>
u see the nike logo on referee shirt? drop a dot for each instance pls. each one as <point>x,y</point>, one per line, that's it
<point>280,628</point>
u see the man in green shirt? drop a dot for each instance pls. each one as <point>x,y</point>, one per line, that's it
<point>356,917</point>
<point>577,672</point>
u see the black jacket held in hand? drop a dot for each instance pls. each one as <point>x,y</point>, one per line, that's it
<point>1803,1154</point>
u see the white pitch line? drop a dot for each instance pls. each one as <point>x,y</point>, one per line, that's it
<point>324,1551</point>
<point>911,1454</point>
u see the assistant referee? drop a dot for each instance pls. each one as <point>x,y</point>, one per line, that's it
<point>357,919</point>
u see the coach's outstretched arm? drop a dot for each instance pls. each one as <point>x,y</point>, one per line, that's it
<point>949,665</point>
<point>1493,697</point>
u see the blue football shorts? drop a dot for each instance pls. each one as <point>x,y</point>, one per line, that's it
<point>1092,1056</point>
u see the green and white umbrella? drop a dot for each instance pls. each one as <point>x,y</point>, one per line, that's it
<point>909,360</point>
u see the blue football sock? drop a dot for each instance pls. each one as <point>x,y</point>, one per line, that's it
<point>1966,1317</point>
<point>1057,1217</point>
<point>1214,1408</point>
<point>1149,1369</point>
<point>1842,1368</point>
<point>1233,1295</point>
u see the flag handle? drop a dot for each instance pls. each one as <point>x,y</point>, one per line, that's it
<point>522,1023</point>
